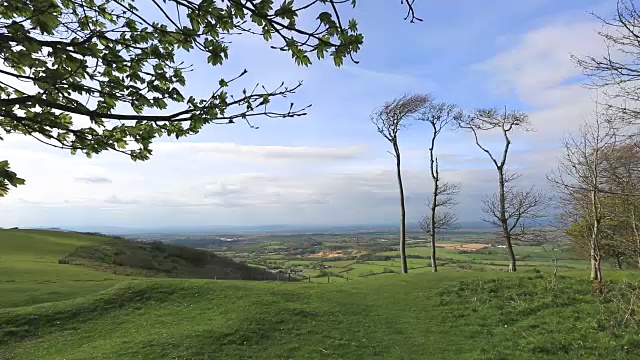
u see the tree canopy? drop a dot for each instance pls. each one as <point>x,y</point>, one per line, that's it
<point>8,178</point>
<point>96,75</point>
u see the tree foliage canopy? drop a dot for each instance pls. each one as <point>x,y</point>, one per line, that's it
<point>96,75</point>
<point>8,178</point>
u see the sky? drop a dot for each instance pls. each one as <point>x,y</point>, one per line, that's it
<point>331,167</point>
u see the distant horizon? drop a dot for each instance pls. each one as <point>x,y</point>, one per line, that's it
<point>265,228</point>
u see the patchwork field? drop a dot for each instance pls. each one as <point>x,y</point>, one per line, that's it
<point>463,247</point>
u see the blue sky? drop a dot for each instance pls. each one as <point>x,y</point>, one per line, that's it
<point>331,167</point>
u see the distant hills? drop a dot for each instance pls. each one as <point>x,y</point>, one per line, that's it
<point>247,230</point>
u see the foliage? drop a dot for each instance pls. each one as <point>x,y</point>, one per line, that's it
<point>390,118</point>
<point>127,257</point>
<point>599,183</point>
<point>8,178</point>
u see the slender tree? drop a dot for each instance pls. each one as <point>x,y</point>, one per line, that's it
<point>438,115</point>
<point>580,180</point>
<point>90,76</point>
<point>389,120</point>
<point>494,119</point>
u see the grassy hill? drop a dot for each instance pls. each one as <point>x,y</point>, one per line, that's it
<point>59,311</point>
<point>39,265</point>
<point>156,259</point>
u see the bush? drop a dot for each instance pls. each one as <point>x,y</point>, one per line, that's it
<point>135,260</point>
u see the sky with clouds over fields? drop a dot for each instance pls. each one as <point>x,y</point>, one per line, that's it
<point>331,167</point>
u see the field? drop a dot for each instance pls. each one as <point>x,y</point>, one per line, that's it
<point>335,257</point>
<point>59,311</point>
<point>463,247</point>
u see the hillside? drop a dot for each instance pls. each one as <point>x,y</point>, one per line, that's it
<point>449,315</point>
<point>156,259</point>
<point>68,262</point>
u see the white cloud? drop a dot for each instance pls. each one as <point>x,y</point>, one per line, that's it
<point>261,153</point>
<point>539,70</point>
<point>325,198</point>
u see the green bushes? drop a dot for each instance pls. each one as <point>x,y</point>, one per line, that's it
<point>126,257</point>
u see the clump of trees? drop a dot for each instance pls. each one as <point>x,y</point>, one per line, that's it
<point>597,179</point>
<point>512,209</point>
<point>598,173</point>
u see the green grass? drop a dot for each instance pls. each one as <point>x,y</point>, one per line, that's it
<point>388,317</point>
<point>30,273</point>
<point>528,256</point>
<point>449,315</point>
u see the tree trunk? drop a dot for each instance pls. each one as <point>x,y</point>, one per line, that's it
<point>554,279</point>
<point>435,176</point>
<point>635,232</point>
<point>618,263</point>
<point>512,255</point>
<point>596,271</point>
<point>403,239</point>
<point>505,225</point>
<point>434,265</point>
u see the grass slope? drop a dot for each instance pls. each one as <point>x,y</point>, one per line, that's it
<point>30,271</point>
<point>390,317</point>
<point>449,315</point>
<point>156,259</point>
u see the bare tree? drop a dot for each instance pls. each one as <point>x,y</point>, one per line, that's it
<point>520,209</point>
<point>438,115</point>
<point>389,119</point>
<point>617,72</point>
<point>580,180</point>
<point>494,119</point>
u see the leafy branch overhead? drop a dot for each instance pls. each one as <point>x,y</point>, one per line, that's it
<point>8,178</point>
<point>118,63</point>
